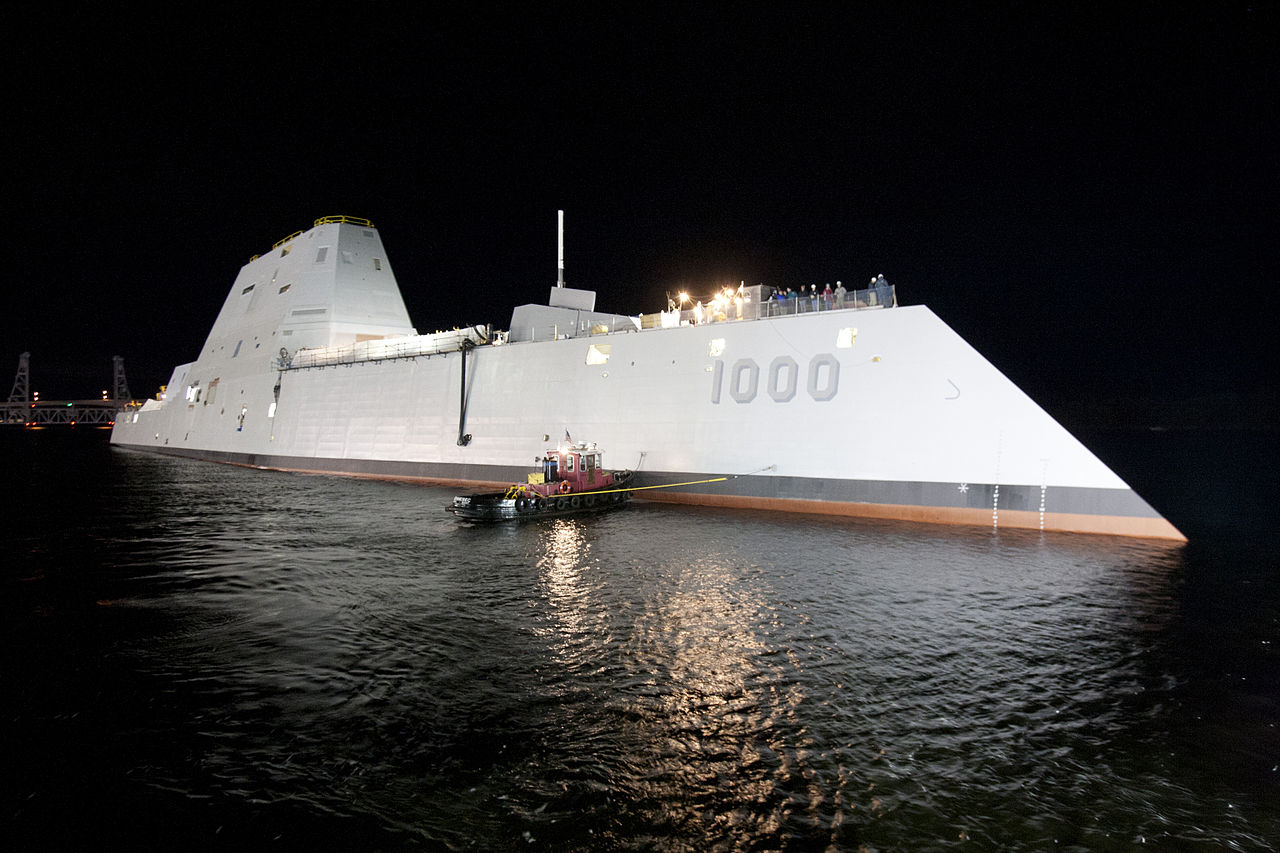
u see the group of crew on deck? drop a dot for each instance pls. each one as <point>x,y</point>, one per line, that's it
<point>789,301</point>
<point>779,301</point>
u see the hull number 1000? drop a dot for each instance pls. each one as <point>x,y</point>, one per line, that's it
<point>781,380</point>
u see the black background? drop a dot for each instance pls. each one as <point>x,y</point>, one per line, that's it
<point>1086,193</point>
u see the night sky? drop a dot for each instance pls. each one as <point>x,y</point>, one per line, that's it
<point>1089,197</point>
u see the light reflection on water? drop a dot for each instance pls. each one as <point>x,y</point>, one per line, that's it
<point>566,556</point>
<point>709,719</point>
<point>339,661</point>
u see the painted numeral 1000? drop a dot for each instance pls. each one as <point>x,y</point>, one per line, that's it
<point>780,381</point>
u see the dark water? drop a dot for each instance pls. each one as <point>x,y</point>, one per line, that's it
<point>205,657</point>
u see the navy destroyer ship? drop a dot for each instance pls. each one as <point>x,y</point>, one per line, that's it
<point>843,404</point>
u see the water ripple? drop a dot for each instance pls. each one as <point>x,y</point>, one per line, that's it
<point>315,659</point>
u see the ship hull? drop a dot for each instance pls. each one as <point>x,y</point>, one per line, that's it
<point>882,413</point>
<point>1108,512</point>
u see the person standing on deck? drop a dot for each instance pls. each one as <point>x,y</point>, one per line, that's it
<point>882,290</point>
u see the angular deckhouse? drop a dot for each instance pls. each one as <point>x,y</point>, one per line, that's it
<point>843,405</point>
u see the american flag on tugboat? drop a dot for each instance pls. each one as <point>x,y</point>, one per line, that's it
<point>567,438</point>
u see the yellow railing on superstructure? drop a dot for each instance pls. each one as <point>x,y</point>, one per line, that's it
<point>338,220</point>
<point>277,244</point>
<point>323,220</point>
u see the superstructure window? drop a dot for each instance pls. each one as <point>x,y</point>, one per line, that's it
<point>377,263</point>
<point>284,288</point>
<point>321,254</point>
<point>248,289</point>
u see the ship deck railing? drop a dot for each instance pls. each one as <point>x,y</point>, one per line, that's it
<point>809,303</point>
<point>413,346</point>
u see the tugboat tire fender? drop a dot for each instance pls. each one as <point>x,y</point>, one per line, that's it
<point>562,503</point>
<point>575,501</point>
<point>522,504</point>
<point>590,501</point>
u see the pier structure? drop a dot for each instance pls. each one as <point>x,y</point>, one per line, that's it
<point>24,407</point>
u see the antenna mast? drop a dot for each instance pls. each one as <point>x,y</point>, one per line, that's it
<point>560,279</point>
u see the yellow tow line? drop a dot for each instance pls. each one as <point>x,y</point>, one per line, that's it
<point>670,485</point>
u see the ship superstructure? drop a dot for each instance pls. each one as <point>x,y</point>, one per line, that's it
<point>849,405</point>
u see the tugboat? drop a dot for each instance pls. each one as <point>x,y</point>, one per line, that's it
<point>570,481</point>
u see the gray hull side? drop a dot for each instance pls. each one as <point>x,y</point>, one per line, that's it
<point>1078,509</point>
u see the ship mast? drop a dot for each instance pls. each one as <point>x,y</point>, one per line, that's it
<point>560,231</point>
